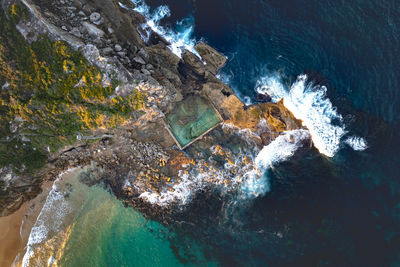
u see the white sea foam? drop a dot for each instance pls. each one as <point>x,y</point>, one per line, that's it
<point>309,103</point>
<point>256,182</point>
<point>50,219</point>
<point>357,143</point>
<point>180,40</point>
<point>181,192</point>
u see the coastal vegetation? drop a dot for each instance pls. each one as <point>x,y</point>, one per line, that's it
<point>48,94</point>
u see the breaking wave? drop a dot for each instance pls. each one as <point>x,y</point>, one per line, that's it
<point>180,38</point>
<point>49,222</point>
<point>308,102</point>
<point>246,179</point>
<point>356,143</point>
<point>256,181</point>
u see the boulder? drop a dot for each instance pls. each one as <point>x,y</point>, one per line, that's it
<point>107,50</point>
<point>117,48</point>
<point>95,17</point>
<point>139,60</point>
<point>146,72</point>
<point>75,32</point>
<point>92,30</point>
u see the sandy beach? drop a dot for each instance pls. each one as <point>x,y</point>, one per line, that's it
<point>10,239</point>
<point>15,228</point>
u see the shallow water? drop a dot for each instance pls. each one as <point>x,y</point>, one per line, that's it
<point>335,204</point>
<point>87,226</point>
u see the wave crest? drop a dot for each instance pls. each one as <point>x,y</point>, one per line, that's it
<point>281,149</point>
<point>308,102</point>
<point>179,39</point>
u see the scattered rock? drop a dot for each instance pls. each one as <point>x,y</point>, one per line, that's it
<point>107,50</point>
<point>87,9</point>
<point>75,32</point>
<point>92,30</point>
<point>146,72</point>
<point>143,54</point>
<point>139,60</point>
<point>95,18</point>
<point>121,54</point>
<point>77,3</point>
<point>117,48</point>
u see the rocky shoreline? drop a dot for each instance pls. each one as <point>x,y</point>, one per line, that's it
<point>139,160</point>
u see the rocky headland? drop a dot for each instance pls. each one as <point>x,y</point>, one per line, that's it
<point>137,158</point>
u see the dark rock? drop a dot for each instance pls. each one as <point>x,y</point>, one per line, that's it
<point>263,98</point>
<point>133,49</point>
<point>77,3</point>
<point>87,9</point>
<point>191,67</point>
<point>121,54</point>
<point>155,38</point>
<point>107,50</point>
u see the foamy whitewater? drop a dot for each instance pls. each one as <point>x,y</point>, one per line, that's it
<point>256,181</point>
<point>180,40</point>
<point>309,103</point>
<point>49,221</point>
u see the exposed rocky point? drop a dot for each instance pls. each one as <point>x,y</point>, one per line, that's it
<point>140,157</point>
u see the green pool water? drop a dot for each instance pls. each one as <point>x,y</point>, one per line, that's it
<point>191,118</point>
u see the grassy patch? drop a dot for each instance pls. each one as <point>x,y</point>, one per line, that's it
<point>52,93</point>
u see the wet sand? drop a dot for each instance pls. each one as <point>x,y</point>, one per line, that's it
<point>15,228</point>
<point>10,239</point>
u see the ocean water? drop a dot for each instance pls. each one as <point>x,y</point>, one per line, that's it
<point>335,65</point>
<point>337,203</point>
<point>87,226</point>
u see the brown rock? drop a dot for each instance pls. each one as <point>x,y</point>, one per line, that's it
<point>214,60</point>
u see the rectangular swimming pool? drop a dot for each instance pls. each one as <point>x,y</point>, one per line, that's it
<point>191,118</point>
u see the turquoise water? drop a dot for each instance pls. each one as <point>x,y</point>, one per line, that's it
<point>92,228</point>
<point>107,234</point>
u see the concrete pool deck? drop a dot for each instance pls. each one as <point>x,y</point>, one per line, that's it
<point>191,119</point>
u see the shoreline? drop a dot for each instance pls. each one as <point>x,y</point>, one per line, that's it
<point>10,237</point>
<point>167,80</point>
<point>16,228</point>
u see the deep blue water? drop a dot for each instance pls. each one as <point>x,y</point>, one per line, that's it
<point>340,211</point>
